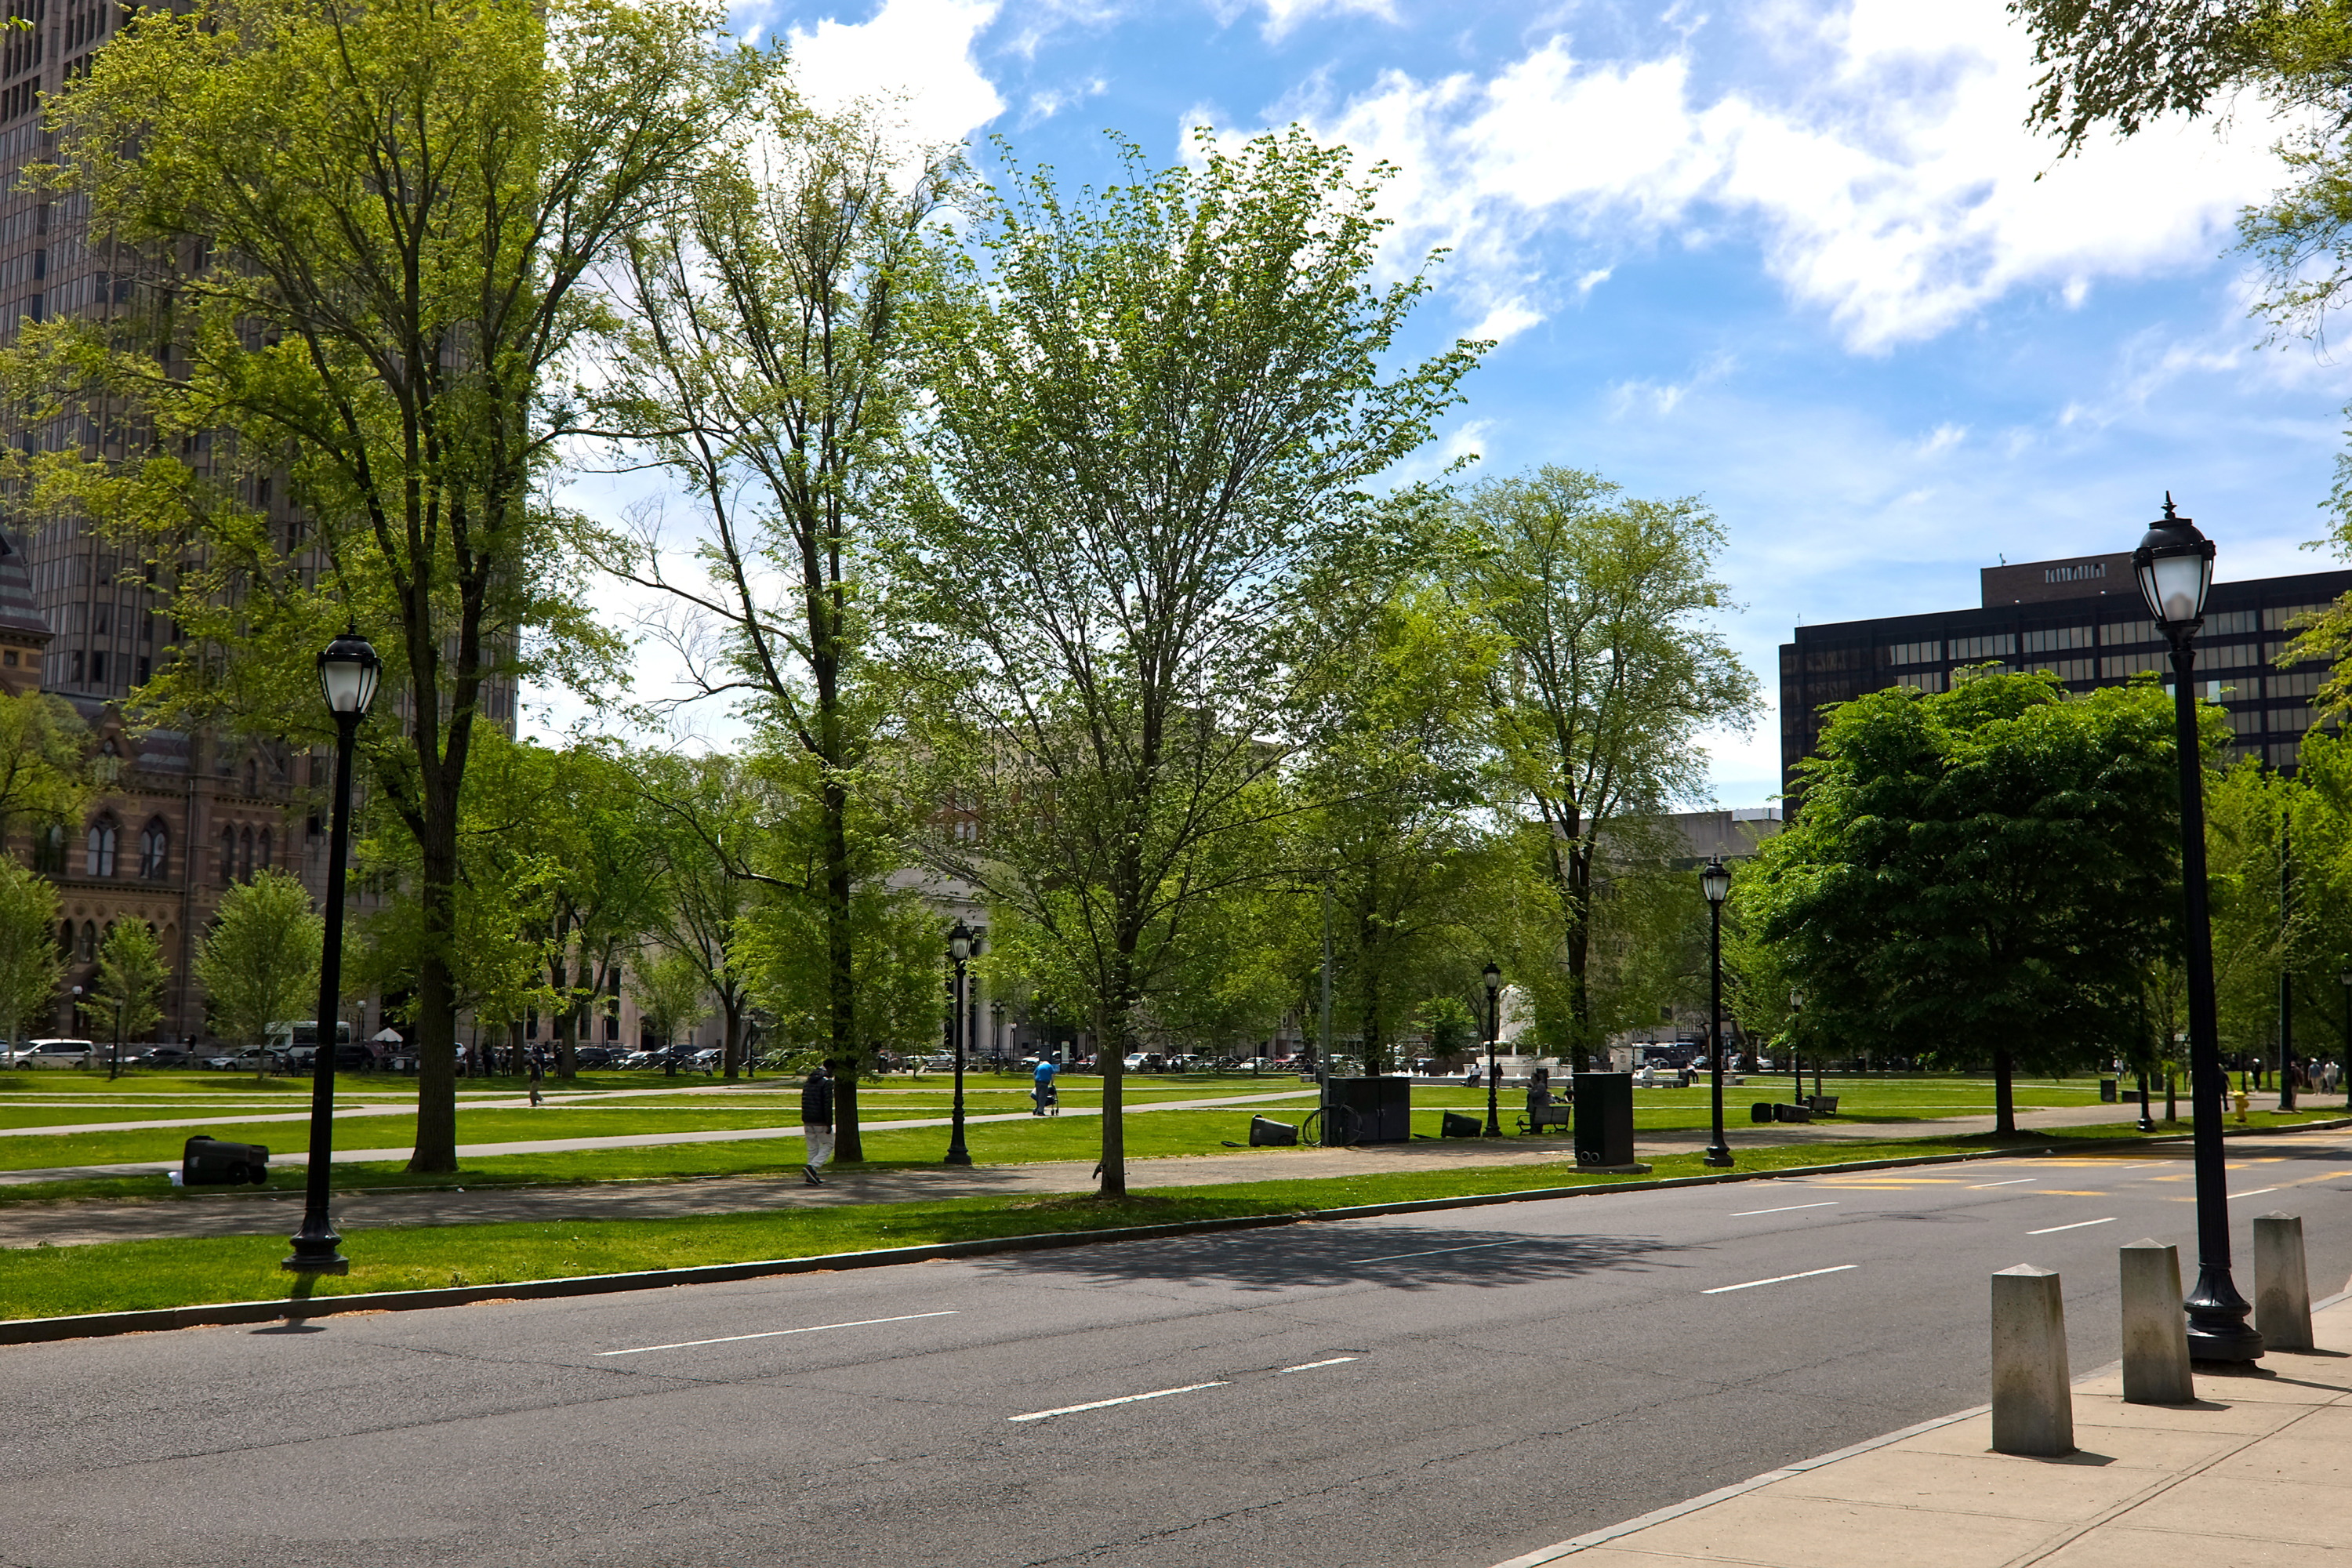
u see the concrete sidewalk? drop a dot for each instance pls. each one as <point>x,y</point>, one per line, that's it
<point>2251,1476</point>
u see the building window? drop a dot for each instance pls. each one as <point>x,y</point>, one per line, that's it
<point>75,678</point>
<point>1927,652</point>
<point>2116,634</point>
<point>2114,667</point>
<point>49,850</point>
<point>2069,668</point>
<point>245,856</point>
<point>97,858</point>
<point>90,942</point>
<point>2277,617</point>
<point>155,851</point>
<point>2304,683</point>
<point>261,852</point>
<point>1922,681</point>
<point>2056,639</point>
<point>2001,645</point>
<point>229,856</point>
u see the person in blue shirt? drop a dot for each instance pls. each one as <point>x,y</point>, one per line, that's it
<point>1040,1087</point>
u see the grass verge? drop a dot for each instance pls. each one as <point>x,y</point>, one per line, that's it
<point>48,1281</point>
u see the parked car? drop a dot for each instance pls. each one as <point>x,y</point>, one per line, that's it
<point>59,1054</point>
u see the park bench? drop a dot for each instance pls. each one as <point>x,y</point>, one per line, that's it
<point>1560,1118</point>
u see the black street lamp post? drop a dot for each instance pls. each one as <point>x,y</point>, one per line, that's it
<point>1716,882</point>
<point>2287,963</point>
<point>997,1030</point>
<point>348,671</point>
<point>2146,1122</point>
<point>962,942</point>
<point>2174,564</point>
<point>1796,1052</point>
<point>1494,978</point>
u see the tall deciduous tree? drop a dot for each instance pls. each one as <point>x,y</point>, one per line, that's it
<point>1153,413</point>
<point>1991,871</point>
<point>31,968</point>
<point>44,775</point>
<point>259,962</point>
<point>369,225</point>
<point>709,818</point>
<point>129,992</point>
<point>757,364</point>
<point>1611,670</point>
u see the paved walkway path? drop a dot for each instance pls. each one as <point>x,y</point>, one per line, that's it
<point>568,1145</point>
<point>231,1212</point>
<point>2249,1475</point>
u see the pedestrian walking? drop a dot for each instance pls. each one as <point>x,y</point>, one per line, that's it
<point>816,1123</point>
<point>536,1075</point>
<point>1040,1087</point>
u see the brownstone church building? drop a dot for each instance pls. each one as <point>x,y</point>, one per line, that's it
<point>178,817</point>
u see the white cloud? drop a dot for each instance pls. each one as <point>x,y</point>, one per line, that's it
<point>1281,15</point>
<point>918,52</point>
<point>1885,170</point>
<point>1505,321</point>
<point>1944,439</point>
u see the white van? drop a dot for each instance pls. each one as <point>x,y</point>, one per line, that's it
<point>57,1054</point>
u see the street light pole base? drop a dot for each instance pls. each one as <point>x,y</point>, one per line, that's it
<point>957,1157</point>
<point>315,1253</point>
<point>1719,1157</point>
<point>2218,1330</point>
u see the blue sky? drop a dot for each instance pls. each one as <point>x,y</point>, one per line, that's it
<point>1791,256</point>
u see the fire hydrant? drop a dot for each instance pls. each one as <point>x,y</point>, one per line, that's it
<point>2242,1102</point>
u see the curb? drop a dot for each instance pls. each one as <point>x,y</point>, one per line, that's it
<point>91,1325</point>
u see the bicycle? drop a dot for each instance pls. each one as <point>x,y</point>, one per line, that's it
<point>1330,1126</point>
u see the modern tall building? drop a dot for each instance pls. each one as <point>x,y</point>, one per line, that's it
<point>179,816</point>
<point>2083,620</point>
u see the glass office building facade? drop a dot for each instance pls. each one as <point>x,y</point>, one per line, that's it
<point>2083,621</point>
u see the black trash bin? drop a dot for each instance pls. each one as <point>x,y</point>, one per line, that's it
<point>1760,1111</point>
<point>212,1162</point>
<point>1456,1125</point>
<point>1265,1134</point>
<point>1604,1118</point>
<point>2106,1091</point>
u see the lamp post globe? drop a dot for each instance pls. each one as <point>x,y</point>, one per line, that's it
<point>962,942</point>
<point>1715,881</point>
<point>349,669</point>
<point>2174,565</point>
<point>1494,978</point>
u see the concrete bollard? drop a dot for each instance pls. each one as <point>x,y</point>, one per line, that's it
<point>2281,1291</point>
<point>2032,1408</point>
<point>2156,1336</point>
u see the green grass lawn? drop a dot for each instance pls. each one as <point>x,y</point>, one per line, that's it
<point>601,1113</point>
<point>47,1282</point>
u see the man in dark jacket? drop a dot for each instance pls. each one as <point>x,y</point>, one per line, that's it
<point>816,1123</point>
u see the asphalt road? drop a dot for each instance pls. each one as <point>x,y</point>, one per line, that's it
<point>1444,1389</point>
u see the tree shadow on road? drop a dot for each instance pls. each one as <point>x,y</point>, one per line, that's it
<point>1307,1255</point>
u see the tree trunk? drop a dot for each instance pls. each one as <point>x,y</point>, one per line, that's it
<point>841,976</point>
<point>567,1011</point>
<point>1111,1057</point>
<point>436,1069</point>
<point>2004,1099</point>
<point>733,1009</point>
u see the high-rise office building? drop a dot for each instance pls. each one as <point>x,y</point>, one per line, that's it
<point>179,816</point>
<point>2083,620</point>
